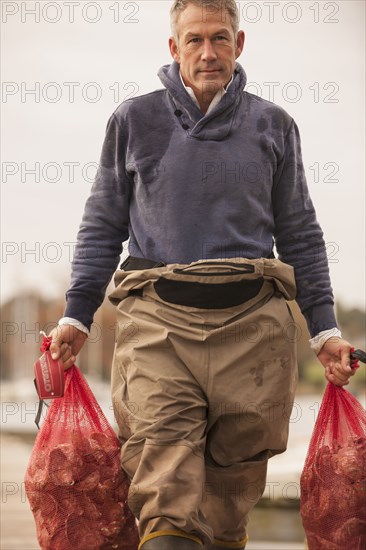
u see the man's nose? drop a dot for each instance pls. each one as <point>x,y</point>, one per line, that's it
<point>208,51</point>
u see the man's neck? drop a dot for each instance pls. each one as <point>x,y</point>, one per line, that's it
<point>206,97</point>
<point>210,97</point>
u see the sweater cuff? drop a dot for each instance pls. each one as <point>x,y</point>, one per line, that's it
<point>80,309</point>
<point>319,340</point>
<point>319,318</point>
<point>74,323</point>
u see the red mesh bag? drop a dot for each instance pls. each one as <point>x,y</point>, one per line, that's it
<point>333,481</point>
<point>74,482</point>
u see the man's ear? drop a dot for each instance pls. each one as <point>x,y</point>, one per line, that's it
<point>174,51</point>
<point>240,39</point>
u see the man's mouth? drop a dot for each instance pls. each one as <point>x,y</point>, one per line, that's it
<point>209,71</point>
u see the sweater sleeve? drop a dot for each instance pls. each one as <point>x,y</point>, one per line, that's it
<point>103,229</point>
<point>299,238</point>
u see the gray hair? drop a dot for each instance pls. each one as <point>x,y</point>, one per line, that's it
<point>217,5</point>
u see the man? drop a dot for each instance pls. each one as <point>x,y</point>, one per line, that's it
<point>202,176</point>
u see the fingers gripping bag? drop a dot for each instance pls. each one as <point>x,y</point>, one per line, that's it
<point>74,482</point>
<point>333,481</point>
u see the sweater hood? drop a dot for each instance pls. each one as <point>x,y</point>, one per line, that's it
<point>215,125</point>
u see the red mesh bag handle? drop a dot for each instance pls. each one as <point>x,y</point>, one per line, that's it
<point>74,482</point>
<point>333,481</point>
<point>49,377</point>
<point>46,342</point>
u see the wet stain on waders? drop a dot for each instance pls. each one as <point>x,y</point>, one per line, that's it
<point>148,465</point>
<point>258,371</point>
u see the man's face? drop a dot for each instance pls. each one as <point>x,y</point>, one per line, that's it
<point>206,49</point>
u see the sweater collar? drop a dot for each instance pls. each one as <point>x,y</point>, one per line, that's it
<point>217,123</point>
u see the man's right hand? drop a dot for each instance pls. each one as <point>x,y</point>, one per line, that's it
<point>66,343</point>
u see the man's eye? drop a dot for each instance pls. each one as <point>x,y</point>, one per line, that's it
<point>220,37</point>
<point>194,40</point>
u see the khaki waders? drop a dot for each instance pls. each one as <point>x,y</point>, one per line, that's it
<point>203,383</point>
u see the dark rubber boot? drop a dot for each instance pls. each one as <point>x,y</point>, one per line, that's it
<point>170,542</point>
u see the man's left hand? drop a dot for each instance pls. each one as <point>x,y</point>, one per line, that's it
<point>335,358</point>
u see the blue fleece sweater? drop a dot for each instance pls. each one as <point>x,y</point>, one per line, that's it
<point>185,186</point>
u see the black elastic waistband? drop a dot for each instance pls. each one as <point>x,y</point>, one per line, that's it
<point>207,295</point>
<point>133,263</point>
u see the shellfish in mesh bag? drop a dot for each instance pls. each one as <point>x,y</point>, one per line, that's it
<point>74,482</point>
<point>333,481</point>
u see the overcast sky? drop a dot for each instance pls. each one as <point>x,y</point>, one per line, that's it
<point>82,59</point>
